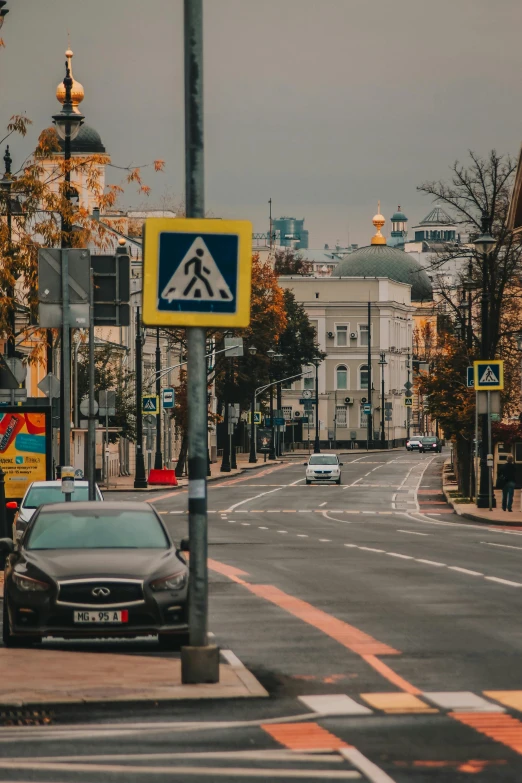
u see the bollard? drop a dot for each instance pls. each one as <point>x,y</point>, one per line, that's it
<point>4,531</point>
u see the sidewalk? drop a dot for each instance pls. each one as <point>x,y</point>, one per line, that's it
<point>494,517</point>
<point>88,677</point>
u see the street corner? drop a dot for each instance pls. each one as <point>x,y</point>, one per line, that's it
<point>76,677</point>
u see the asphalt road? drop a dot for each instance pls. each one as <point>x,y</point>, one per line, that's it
<point>374,618</point>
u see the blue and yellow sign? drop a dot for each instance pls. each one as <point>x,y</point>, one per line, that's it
<point>150,404</point>
<point>197,272</point>
<point>489,375</point>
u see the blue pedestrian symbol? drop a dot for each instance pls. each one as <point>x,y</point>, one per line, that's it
<point>198,272</point>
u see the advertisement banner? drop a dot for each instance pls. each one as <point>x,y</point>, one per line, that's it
<point>264,439</point>
<point>25,448</point>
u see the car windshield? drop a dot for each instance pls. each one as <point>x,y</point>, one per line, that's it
<point>37,496</point>
<point>323,459</point>
<point>429,440</point>
<point>112,529</point>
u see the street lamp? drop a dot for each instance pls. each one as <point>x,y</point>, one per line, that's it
<point>158,457</point>
<point>67,123</point>
<point>382,364</point>
<point>316,361</point>
<point>484,245</point>
<point>252,458</point>
<point>278,358</point>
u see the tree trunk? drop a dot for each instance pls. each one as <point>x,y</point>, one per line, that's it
<point>182,458</point>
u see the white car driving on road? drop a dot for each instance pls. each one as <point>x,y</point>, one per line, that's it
<point>323,467</point>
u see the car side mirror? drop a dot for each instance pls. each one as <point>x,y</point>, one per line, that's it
<point>12,504</point>
<point>341,464</point>
<point>305,464</point>
<point>7,546</point>
<point>184,545</point>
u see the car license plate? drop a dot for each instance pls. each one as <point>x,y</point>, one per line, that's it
<point>102,617</point>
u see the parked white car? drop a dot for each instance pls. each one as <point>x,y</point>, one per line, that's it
<point>40,493</point>
<point>415,442</point>
<point>323,467</point>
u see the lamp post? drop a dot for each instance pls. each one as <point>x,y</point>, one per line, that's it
<point>271,452</point>
<point>5,184</point>
<point>484,245</point>
<point>67,123</point>
<point>140,479</point>
<point>280,434</point>
<point>252,458</point>
<point>408,409</point>
<point>382,364</point>
<point>158,458</point>
<point>316,361</point>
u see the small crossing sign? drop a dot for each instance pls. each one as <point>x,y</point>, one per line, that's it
<point>150,404</point>
<point>257,417</point>
<point>489,375</point>
<point>197,272</point>
<point>408,401</point>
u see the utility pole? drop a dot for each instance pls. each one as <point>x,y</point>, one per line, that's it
<point>158,459</point>
<point>91,433</point>
<point>383,363</point>
<point>369,419</point>
<point>200,661</point>
<point>408,409</point>
<point>140,479</point>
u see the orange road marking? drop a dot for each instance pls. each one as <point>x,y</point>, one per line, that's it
<point>396,702</point>
<point>304,736</point>
<point>227,570</point>
<point>497,726</point>
<point>391,676</point>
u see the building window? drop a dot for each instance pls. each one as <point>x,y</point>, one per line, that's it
<point>341,335</point>
<point>363,376</point>
<point>342,377</point>
<point>363,334</point>
<point>309,382</point>
<point>340,416</point>
<point>363,418</point>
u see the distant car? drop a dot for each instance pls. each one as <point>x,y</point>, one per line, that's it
<point>431,443</point>
<point>415,442</point>
<point>99,570</point>
<point>323,467</point>
<point>39,493</point>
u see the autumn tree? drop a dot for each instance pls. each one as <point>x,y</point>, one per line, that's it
<point>289,261</point>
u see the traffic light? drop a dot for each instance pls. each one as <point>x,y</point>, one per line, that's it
<point>111,277</point>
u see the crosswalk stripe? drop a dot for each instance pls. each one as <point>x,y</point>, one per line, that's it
<point>462,700</point>
<point>334,704</point>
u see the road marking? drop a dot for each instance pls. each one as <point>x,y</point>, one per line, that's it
<point>503,581</point>
<point>246,524</point>
<point>370,549</point>
<point>367,767</point>
<point>465,571</point>
<point>464,701</point>
<point>282,531</point>
<point>255,497</point>
<point>504,546</point>
<point>302,535</point>
<point>303,736</point>
<point>501,728</point>
<point>403,557</point>
<point>352,546</point>
<point>261,527</point>
<point>431,562</point>
<point>323,504</point>
<point>413,532</point>
<point>512,699</point>
<point>325,540</point>
<point>395,703</point>
<point>334,704</point>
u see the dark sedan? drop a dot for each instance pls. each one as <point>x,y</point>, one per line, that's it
<point>95,570</point>
<point>431,444</point>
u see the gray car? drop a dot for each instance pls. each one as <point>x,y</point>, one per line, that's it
<point>95,570</point>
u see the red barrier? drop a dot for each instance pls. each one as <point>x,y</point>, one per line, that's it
<point>163,477</point>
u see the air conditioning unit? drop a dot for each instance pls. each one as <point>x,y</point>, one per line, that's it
<point>330,334</point>
<point>393,348</point>
<point>348,400</point>
<point>353,336</point>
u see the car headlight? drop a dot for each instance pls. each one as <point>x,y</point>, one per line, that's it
<point>28,585</point>
<point>172,582</point>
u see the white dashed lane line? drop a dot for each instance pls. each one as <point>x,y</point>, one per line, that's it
<point>504,546</point>
<point>413,533</point>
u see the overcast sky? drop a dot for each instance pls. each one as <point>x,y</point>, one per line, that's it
<point>325,106</point>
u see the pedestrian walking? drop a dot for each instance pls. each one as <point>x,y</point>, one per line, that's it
<point>508,488</point>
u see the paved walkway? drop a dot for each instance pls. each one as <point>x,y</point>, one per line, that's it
<point>79,677</point>
<point>494,517</point>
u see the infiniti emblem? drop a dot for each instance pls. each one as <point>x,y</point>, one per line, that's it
<point>100,592</point>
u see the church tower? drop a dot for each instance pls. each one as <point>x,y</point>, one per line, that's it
<point>399,232</point>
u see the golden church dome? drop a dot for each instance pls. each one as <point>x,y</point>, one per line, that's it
<point>77,91</point>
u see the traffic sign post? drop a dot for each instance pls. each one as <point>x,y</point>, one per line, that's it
<point>168,398</point>
<point>197,272</point>
<point>408,401</point>
<point>150,404</point>
<point>489,375</point>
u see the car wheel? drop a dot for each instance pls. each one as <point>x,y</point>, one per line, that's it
<point>9,639</point>
<point>308,481</point>
<point>173,641</point>
<point>338,482</point>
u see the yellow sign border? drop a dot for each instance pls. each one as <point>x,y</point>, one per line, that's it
<point>497,387</point>
<point>150,397</point>
<point>153,228</point>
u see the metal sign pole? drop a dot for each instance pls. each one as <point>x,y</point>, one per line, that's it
<point>91,433</point>
<point>200,661</point>
<point>490,446</point>
<point>65,370</point>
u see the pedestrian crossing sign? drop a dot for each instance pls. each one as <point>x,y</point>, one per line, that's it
<point>257,417</point>
<point>408,401</point>
<point>489,375</point>
<point>197,272</point>
<point>150,404</point>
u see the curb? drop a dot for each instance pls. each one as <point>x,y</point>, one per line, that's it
<point>475,517</point>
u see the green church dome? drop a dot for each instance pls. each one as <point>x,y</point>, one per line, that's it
<point>384,261</point>
<point>399,217</point>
